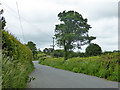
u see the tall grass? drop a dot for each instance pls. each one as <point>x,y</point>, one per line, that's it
<point>104,66</point>
<point>15,74</point>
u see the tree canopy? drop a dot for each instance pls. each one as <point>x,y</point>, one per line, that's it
<point>48,50</point>
<point>72,32</point>
<point>93,50</point>
<point>33,48</point>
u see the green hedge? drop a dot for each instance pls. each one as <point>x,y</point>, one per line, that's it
<point>14,49</point>
<point>16,62</point>
<point>104,66</point>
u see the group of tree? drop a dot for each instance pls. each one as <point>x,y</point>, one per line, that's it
<point>70,34</point>
<point>91,50</point>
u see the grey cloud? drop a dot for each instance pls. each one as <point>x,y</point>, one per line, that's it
<point>40,40</point>
<point>39,18</point>
<point>103,10</point>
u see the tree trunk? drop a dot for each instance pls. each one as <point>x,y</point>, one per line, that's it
<point>65,53</point>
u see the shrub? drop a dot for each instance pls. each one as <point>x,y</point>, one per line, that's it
<point>40,55</point>
<point>93,50</point>
<point>76,54</point>
<point>42,59</point>
<point>75,69</point>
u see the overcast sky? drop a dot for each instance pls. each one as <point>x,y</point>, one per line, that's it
<point>39,18</point>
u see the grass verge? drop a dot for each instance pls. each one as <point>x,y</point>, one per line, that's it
<point>104,66</point>
<point>15,74</point>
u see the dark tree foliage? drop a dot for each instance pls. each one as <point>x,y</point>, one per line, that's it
<point>58,53</point>
<point>2,26</point>
<point>76,54</point>
<point>2,20</point>
<point>109,52</point>
<point>48,50</point>
<point>72,32</point>
<point>33,48</point>
<point>93,50</point>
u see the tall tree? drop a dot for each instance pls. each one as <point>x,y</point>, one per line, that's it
<point>72,32</point>
<point>33,48</point>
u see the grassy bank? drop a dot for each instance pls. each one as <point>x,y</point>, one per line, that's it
<point>16,62</point>
<point>104,66</point>
<point>15,74</point>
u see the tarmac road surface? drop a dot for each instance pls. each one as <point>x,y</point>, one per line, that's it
<point>48,77</point>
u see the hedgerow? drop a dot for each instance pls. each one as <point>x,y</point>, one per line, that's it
<point>16,62</point>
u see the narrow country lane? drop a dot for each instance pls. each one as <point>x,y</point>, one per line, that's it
<point>48,77</point>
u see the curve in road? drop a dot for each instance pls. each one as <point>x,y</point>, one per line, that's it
<point>48,77</point>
